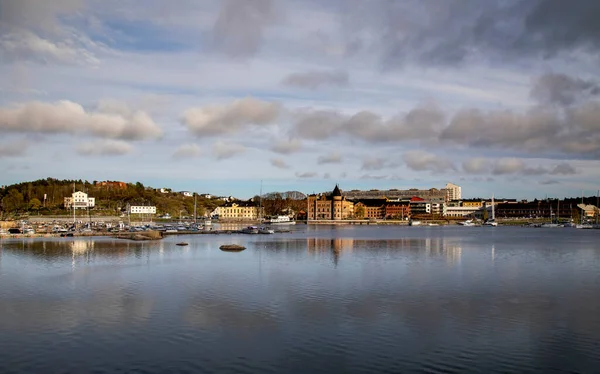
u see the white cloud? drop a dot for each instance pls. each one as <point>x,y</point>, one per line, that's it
<point>308,174</point>
<point>189,150</point>
<point>476,165</point>
<point>104,148</point>
<point>214,120</point>
<point>223,150</point>
<point>331,158</point>
<point>287,146</point>
<point>72,118</point>
<point>421,161</point>
<point>279,163</point>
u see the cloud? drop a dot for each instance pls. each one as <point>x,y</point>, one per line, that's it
<point>326,176</point>
<point>423,122</point>
<point>331,158</point>
<point>316,79</point>
<point>508,166</point>
<point>223,150</point>
<point>214,120</point>
<point>553,88</point>
<point>105,148</point>
<point>454,32</point>
<point>279,163</point>
<point>13,149</point>
<point>239,29</point>
<point>476,165</point>
<point>34,13</point>
<point>306,175</point>
<point>374,164</point>
<point>563,169</point>
<point>549,182</point>
<point>187,151</point>
<point>287,146</point>
<point>373,177</point>
<point>72,118</point>
<point>421,161</point>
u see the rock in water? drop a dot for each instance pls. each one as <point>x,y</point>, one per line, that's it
<point>232,247</point>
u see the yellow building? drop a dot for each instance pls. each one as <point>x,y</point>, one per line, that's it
<point>238,210</point>
<point>472,203</point>
<point>332,206</point>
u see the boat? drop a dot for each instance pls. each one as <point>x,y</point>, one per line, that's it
<point>280,220</point>
<point>265,230</point>
<point>249,230</point>
<point>468,222</point>
<point>414,223</point>
<point>182,244</point>
<point>433,224</point>
<point>584,226</point>
<point>492,221</point>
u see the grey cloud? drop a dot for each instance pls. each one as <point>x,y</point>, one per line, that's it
<point>287,146</point>
<point>508,166</point>
<point>374,164</point>
<point>317,124</point>
<point>223,150</point>
<point>316,79</point>
<point>104,148</point>
<point>476,165</point>
<point>549,182</point>
<point>554,88</point>
<point>72,118</point>
<point>563,169</point>
<point>326,176</point>
<point>187,151</point>
<point>13,149</point>
<point>373,177</point>
<point>239,29</point>
<point>214,120</point>
<point>421,161</point>
<point>306,175</point>
<point>451,32</point>
<point>279,163</point>
<point>36,13</point>
<point>332,158</point>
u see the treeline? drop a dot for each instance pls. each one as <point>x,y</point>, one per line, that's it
<point>46,197</point>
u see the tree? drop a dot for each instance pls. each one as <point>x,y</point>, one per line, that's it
<point>485,213</point>
<point>13,201</point>
<point>35,204</point>
<point>359,211</point>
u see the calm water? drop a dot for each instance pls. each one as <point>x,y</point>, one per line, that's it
<point>357,299</point>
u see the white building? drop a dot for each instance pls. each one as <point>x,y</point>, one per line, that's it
<point>80,200</point>
<point>139,209</point>
<point>186,193</point>
<point>453,192</point>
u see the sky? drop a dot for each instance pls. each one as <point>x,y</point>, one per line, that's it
<point>231,97</point>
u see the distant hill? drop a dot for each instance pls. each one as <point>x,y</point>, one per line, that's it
<point>292,195</point>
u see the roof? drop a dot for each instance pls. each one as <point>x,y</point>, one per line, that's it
<point>336,191</point>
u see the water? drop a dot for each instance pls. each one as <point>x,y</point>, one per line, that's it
<point>356,299</point>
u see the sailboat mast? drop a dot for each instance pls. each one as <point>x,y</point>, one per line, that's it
<point>493,212</point>
<point>260,203</point>
<point>195,215</point>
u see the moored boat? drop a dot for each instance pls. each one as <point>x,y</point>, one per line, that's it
<point>280,220</point>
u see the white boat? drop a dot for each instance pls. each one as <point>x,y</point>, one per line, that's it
<point>414,223</point>
<point>584,226</point>
<point>249,230</point>
<point>468,222</point>
<point>280,220</point>
<point>265,230</point>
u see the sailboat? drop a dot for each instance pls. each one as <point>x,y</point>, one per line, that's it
<point>492,221</point>
<point>552,223</point>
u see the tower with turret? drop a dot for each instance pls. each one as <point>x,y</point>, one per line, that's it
<point>336,205</point>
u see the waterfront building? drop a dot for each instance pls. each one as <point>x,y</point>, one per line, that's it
<point>238,210</point>
<point>397,210</point>
<point>79,200</point>
<point>432,194</point>
<point>370,208</point>
<point>142,209</point>
<point>453,191</point>
<point>332,206</point>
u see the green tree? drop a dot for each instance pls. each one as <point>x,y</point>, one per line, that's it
<point>13,201</point>
<point>485,213</point>
<point>35,204</point>
<point>359,212</point>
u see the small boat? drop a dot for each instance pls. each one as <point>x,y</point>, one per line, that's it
<point>182,244</point>
<point>264,230</point>
<point>468,222</point>
<point>414,223</point>
<point>249,230</point>
<point>232,248</point>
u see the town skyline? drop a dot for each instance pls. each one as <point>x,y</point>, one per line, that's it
<point>303,95</point>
